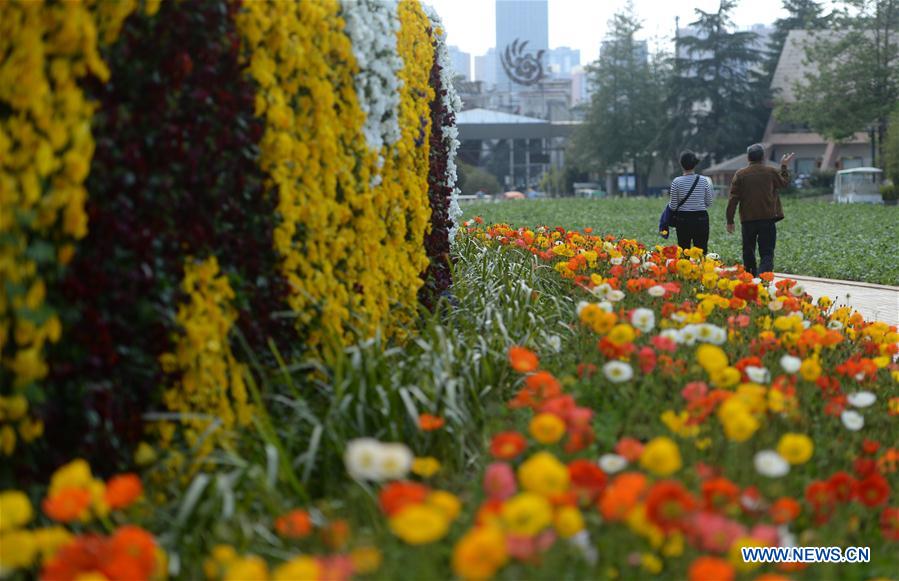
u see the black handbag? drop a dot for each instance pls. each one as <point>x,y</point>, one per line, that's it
<point>682,202</point>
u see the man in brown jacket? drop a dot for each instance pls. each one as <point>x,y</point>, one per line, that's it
<point>754,189</point>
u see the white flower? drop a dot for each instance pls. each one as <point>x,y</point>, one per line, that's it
<point>581,306</point>
<point>771,464</point>
<point>689,334</point>
<point>612,463</point>
<point>790,364</point>
<point>797,290</point>
<point>643,319</point>
<point>673,334</point>
<point>656,290</point>
<point>615,295</point>
<point>834,325</point>
<point>555,343</point>
<point>617,260</point>
<point>861,399</point>
<point>756,280</point>
<point>581,540</point>
<point>758,374</point>
<point>853,420</point>
<point>606,306</point>
<point>713,255</point>
<point>395,461</point>
<point>775,305</point>
<point>617,371</point>
<point>709,333</point>
<point>363,458</point>
<point>786,538</point>
<point>601,291</point>
<point>635,260</point>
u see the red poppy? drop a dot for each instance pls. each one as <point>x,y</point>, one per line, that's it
<point>430,422</point>
<point>784,510</point>
<point>843,485</point>
<point>630,448</point>
<point>864,466</point>
<point>399,494</point>
<point>889,523</point>
<point>720,493</point>
<point>819,494</point>
<point>507,445</point>
<point>522,360</point>
<point>294,524</point>
<point>747,292</point>
<point>667,505</point>
<point>587,479</point>
<point>870,446</point>
<point>872,490</point>
<point>586,370</point>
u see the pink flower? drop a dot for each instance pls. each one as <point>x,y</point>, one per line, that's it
<point>695,390</point>
<point>336,567</point>
<point>664,343</point>
<point>765,533</point>
<point>499,481</point>
<point>526,548</point>
<point>630,448</point>
<point>715,533</point>
<point>647,358</point>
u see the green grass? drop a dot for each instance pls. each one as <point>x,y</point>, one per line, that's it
<point>849,242</point>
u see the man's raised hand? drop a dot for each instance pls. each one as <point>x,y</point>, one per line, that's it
<point>787,158</point>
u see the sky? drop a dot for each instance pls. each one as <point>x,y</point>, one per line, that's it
<point>581,24</point>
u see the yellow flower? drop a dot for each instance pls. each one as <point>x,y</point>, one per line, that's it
<point>735,555</point>
<point>480,553</point>
<point>621,333</point>
<point>547,428</point>
<point>543,474</point>
<point>75,474</point>
<point>674,545</point>
<point>661,456</point>
<point>300,568</point>
<point>15,510</point>
<point>447,503</point>
<point>677,423</point>
<point>425,467</point>
<point>144,455</point>
<point>810,369</point>
<point>795,448</point>
<point>366,560</point>
<point>16,407</point>
<point>251,568</point>
<point>526,514</point>
<point>725,377</point>
<point>17,550</point>
<point>739,425</point>
<point>419,524</point>
<point>711,357</point>
<point>568,521</point>
<point>651,563</point>
<point>219,560</point>
<point>7,440</point>
<point>49,539</point>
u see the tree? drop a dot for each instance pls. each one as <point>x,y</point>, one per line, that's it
<point>801,15</point>
<point>855,84</point>
<point>473,178</point>
<point>891,148</point>
<point>627,110</point>
<point>718,95</point>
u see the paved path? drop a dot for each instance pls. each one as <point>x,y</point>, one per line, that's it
<point>874,301</point>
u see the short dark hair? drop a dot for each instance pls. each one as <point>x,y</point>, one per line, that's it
<point>688,159</point>
<point>755,152</point>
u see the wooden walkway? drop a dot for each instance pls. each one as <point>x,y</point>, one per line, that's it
<point>875,302</point>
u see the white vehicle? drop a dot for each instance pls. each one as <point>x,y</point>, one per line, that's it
<point>859,184</point>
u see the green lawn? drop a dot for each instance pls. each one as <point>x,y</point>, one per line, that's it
<point>851,242</point>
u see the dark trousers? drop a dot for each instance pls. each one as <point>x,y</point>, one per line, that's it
<point>763,233</point>
<point>693,230</point>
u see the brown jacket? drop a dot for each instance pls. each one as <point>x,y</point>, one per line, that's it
<point>754,189</point>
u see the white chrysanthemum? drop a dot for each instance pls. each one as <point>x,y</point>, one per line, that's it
<point>853,420</point>
<point>363,459</point>
<point>861,399</point>
<point>758,374</point>
<point>656,291</point>
<point>372,26</point>
<point>771,464</point>
<point>617,371</point>
<point>612,463</point>
<point>643,319</point>
<point>395,461</point>
<point>790,364</point>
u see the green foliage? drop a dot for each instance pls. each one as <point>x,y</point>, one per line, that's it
<point>849,242</point>
<point>891,147</point>
<point>890,192</point>
<point>720,115</point>
<point>801,15</point>
<point>473,178</point>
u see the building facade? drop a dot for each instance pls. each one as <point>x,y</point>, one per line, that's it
<point>522,42</point>
<point>461,62</point>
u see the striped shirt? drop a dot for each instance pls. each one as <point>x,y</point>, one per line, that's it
<point>700,199</point>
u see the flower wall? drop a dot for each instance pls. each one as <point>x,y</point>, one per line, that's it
<point>262,169</point>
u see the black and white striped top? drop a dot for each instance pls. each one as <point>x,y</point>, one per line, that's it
<point>701,198</point>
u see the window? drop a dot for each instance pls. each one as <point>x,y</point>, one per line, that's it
<point>850,162</point>
<point>805,166</point>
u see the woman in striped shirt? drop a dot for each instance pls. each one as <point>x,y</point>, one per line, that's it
<point>692,220</point>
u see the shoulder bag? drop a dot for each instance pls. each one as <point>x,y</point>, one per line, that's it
<point>668,219</point>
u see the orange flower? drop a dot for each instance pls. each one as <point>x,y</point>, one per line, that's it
<point>129,554</point>
<point>430,422</point>
<point>295,524</point>
<point>710,569</point>
<point>784,510</point>
<point>80,556</point>
<point>68,504</point>
<point>398,495</point>
<point>336,534</point>
<point>668,504</point>
<point>522,359</point>
<point>122,490</point>
<point>507,445</point>
<point>720,493</point>
<point>620,497</point>
<point>629,448</point>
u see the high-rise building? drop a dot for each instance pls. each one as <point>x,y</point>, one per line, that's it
<point>580,86</point>
<point>461,61</point>
<point>522,32</point>
<point>641,51</point>
<point>563,60</point>
<point>485,68</point>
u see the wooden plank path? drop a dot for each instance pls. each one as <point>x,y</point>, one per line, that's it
<point>876,302</point>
